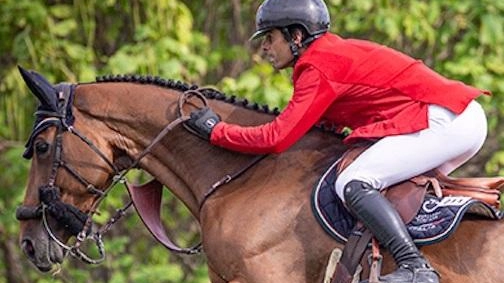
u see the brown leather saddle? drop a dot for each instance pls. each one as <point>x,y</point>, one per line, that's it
<point>407,198</point>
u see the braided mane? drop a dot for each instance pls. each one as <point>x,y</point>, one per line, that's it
<point>181,86</point>
<point>207,92</point>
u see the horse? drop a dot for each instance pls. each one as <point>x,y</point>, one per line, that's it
<point>257,228</point>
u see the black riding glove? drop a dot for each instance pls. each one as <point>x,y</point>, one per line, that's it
<point>202,122</point>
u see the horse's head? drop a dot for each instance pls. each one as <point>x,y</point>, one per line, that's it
<point>83,144</point>
<point>67,176</point>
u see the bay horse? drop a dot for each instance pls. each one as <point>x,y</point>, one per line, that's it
<point>258,228</point>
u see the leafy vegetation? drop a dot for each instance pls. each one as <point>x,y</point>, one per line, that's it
<point>206,42</point>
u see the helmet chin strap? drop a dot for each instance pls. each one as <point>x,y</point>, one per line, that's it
<point>293,46</point>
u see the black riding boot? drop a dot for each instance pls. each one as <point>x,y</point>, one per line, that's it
<point>378,215</point>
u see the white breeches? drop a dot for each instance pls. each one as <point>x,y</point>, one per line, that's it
<point>448,143</point>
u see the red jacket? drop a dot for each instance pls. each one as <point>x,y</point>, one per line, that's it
<point>370,88</point>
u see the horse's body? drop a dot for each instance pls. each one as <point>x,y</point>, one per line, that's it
<point>258,228</point>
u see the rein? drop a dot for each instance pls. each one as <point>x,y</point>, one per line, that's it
<point>79,223</point>
<point>228,177</point>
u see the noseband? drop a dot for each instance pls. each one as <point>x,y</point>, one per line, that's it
<point>73,220</point>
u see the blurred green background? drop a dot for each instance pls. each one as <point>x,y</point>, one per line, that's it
<point>206,42</point>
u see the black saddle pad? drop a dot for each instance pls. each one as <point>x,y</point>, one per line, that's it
<point>437,219</point>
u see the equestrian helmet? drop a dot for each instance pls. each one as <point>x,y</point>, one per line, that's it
<point>311,14</point>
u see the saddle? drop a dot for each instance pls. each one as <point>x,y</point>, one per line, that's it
<point>407,198</point>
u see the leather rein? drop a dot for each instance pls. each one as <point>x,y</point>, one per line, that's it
<point>79,223</point>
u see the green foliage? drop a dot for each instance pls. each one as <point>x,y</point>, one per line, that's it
<point>206,42</point>
<point>260,84</point>
<point>13,171</point>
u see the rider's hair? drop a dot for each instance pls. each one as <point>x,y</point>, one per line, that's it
<point>297,27</point>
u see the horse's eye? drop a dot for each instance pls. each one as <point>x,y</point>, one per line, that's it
<point>41,147</point>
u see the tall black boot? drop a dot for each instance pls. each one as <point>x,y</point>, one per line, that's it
<point>378,215</point>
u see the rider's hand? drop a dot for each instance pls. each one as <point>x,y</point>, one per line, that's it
<point>202,122</point>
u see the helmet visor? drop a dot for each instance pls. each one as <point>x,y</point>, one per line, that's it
<point>260,33</point>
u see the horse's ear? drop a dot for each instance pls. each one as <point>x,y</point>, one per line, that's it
<point>41,88</point>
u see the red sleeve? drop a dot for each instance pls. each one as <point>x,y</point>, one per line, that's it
<point>312,96</point>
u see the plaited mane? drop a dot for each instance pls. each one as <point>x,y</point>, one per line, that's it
<point>181,86</point>
<point>209,93</point>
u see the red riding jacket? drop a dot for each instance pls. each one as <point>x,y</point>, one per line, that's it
<point>370,88</point>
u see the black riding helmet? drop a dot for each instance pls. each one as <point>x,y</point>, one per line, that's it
<point>311,14</point>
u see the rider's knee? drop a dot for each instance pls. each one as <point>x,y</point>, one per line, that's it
<point>356,189</point>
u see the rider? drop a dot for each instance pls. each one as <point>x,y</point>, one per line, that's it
<point>416,119</point>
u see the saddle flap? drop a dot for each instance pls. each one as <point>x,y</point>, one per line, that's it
<point>407,198</point>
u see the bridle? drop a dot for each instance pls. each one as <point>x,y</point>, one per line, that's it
<point>79,223</point>
<point>76,222</point>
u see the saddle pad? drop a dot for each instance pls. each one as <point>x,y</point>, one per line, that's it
<point>437,219</point>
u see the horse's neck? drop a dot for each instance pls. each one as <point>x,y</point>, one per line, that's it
<point>130,116</point>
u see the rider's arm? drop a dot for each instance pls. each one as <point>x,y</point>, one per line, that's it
<point>312,96</point>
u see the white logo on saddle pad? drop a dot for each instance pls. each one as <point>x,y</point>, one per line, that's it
<point>432,204</point>
<point>210,122</point>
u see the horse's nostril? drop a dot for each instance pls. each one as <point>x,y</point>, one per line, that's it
<point>28,248</point>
